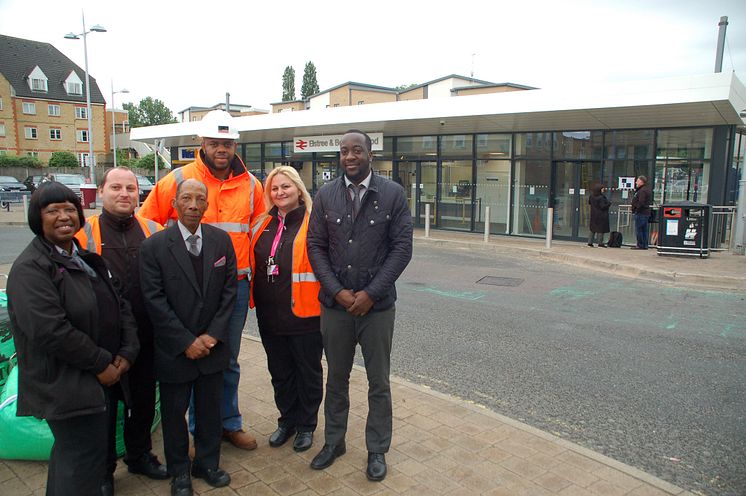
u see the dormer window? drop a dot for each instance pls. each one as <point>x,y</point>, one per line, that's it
<point>37,80</point>
<point>73,84</point>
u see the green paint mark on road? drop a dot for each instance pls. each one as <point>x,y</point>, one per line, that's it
<point>460,295</point>
<point>571,293</point>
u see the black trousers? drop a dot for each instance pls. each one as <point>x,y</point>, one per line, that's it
<point>341,333</point>
<point>294,363</point>
<point>77,463</point>
<point>137,425</point>
<point>208,431</point>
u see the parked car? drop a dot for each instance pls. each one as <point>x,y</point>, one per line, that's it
<point>72,181</point>
<point>10,183</point>
<point>145,186</point>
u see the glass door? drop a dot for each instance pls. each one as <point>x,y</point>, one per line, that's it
<point>455,203</point>
<point>572,188</point>
<point>324,171</point>
<point>419,180</point>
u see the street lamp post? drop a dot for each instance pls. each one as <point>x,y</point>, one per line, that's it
<point>72,36</point>
<point>113,123</point>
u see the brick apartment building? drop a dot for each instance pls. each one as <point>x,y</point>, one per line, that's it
<point>43,103</point>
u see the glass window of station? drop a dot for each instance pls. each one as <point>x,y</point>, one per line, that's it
<point>510,180</point>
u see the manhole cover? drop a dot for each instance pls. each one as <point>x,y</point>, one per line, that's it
<point>500,281</point>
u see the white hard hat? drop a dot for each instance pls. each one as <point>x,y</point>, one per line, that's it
<point>218,124</point>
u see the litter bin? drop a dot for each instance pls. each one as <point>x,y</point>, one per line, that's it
<point>684,229</point>
<point>88,192</point>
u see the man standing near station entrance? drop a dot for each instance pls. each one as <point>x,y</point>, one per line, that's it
<point>235,199</point>
<point>359,242</point>
<point>116,235</point>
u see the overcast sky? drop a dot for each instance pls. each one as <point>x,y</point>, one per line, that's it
<point>189,53</point>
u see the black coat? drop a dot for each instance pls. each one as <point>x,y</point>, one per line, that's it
<point>599,213</point>
<point>367,254</point>
<point>642,200</point>
<point>54,319</point>
<point>181,310</point>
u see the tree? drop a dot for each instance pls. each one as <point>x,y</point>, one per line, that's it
<point>147,162</point>
<point>63,159</point>
<point>310,85</point>
<point>150,112</point>
<point>288,84</point>
<point>403,87</point>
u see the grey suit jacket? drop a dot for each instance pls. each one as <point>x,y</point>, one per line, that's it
<point>179,309</point>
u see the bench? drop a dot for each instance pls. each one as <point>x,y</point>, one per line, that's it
<point>8,197</point>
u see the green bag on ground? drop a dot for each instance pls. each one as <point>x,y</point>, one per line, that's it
<point>21,438</point>
<point>7,348</point>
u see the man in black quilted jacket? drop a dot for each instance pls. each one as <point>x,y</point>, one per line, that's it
<point>359,242</point>
<point>641,208</point>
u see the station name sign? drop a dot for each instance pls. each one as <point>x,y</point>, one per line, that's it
<point>329,143</point>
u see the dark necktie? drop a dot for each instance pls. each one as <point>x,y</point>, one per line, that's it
<point>193,248</point>
<point>356,192</point>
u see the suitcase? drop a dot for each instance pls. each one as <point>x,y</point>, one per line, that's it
<point>615,239</point>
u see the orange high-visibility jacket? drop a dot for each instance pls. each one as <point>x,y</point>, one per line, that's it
<point>89,236</point>
<point>232,204</point>
<point>304,288</point>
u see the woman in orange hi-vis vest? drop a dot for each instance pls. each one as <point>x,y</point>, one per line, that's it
<point>285,292</point>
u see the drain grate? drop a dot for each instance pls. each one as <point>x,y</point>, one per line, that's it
<point>500,281</point>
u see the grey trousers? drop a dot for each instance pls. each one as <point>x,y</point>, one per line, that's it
<point>341,333</point>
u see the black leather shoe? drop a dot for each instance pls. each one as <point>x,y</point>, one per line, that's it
<point>327,455</point>
<point>281,436</point>
<point>149,466</point>
<point>376,467</point>
<point>107,486</point>
<point>215,478</point>
<point>181,485</point>
<point>303,441</point>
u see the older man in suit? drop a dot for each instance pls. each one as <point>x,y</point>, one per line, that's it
<point>188,282</point>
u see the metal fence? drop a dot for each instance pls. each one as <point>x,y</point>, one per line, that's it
<point>722,226</point>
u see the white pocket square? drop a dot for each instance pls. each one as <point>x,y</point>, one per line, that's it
<point>220,262</point>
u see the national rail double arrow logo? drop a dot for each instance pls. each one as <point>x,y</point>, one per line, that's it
<point>301,145</point>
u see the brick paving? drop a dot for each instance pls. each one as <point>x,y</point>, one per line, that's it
<point>441,446</point>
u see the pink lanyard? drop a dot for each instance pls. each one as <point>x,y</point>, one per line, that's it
<point>276,241</point>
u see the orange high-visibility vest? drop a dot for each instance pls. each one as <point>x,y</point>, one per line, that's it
<point>232,204</point>
<point>304,288</point>
<point>89,236</point>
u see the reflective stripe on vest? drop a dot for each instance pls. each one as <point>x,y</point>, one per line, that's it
<point>150,225</point>
<point>91,243</point>
<point>230,227</point>
<point>304,277</point>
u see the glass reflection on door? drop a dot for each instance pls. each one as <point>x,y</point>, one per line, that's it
<point>455,195</point>
<point>573,184</point>
<point>428,192</point>
<point>408,179</point>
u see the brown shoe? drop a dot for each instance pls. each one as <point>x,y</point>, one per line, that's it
<point>240,439</point>
<point>191,451</point>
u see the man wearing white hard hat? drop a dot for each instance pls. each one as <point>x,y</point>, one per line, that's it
<point>235,199</point>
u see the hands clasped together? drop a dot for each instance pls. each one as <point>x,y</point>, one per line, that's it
<point>201,347</point>
<point>358,303</point>
<point>114,371</point>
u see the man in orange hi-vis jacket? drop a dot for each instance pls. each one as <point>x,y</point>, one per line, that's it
<point>235,199</point>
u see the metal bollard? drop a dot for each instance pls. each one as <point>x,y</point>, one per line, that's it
<point>427,220</point>
<point>550,226</point>
<point>486,224</point>
<point>25,206</point>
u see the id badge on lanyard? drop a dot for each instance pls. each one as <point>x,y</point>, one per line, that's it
<point>272,268</point>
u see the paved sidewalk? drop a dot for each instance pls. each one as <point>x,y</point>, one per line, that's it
<point>722,270</point>
<point>441,445</point>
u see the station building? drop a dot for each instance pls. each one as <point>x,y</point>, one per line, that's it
<point>513,148</point>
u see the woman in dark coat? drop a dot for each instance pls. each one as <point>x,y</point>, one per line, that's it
<point>75,338</point>
<point>599,214</point>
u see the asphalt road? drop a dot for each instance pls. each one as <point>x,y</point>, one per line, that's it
<point>652,376</point>
<point>649,375</point>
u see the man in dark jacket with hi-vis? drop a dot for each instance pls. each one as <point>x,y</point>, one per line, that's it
<point>359,243</point>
